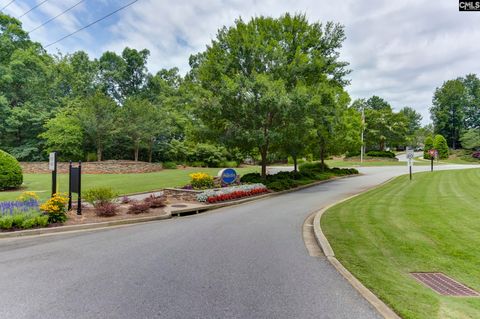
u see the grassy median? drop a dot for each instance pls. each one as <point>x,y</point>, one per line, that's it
<point>429,224</point>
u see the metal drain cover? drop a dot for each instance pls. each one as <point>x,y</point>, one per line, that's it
<point>444,285</point>
<point>179,205</point>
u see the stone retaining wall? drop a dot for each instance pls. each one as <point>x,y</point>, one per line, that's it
<point>105,167</point>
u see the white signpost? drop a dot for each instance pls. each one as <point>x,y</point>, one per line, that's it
<point>410,156</point>
<point>52,166</point>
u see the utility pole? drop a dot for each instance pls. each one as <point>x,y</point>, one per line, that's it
<point>362,148</point>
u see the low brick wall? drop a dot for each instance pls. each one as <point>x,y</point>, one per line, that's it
<point>105,167</point>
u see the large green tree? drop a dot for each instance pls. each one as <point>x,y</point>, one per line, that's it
<point>250,69</point>
<point>448,110</point>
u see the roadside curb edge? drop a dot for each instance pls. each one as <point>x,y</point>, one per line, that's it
<point>322,241</point>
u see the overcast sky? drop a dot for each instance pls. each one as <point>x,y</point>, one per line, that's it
<point>398,50</point>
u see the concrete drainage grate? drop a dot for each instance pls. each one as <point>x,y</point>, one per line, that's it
<point>444,285</point>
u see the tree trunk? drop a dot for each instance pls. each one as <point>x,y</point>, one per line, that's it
<point>150,151</point>
<point>322,157</point>
<point>136,150</point>
<point>295,163</point>
<point>263,154</point>
<point>99,151</point>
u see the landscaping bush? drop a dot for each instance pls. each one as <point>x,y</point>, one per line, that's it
<point>11,175</point>
<point>138,207</point>
<point>201,180</point>
<point>352,154</point>
<point>386,154</point>
<point>228,164</point>
<point>23,220</point>
<point>106,209</point>
<point>156,201</point>
<point>299,160</point>
<point>313,166</point>
<point>428,146</point>
<point>440,144</point>
<point>251,178</point>
<point>476,155</point>
<point>198,164</point>
<point>169,165</point>
<point>99,195</point>
<point>56,208</point>
<point>92,157</point>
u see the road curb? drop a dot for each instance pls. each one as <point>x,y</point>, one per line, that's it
<point>322,241</point>
<point>65,229</point>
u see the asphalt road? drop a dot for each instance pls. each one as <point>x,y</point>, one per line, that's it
<point>247,261</point>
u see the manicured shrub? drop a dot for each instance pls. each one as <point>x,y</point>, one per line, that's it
<point>169,165</point>
<point>156,201</point>
<point>106,209</point>
<point>198,164</point>
<point>11,175</point>
<point>386,154</point>
<point>313,166</point>
<point>352,154</point>
<point>201,180</point>
<point>99,195</point>
<point>56,208</point>
<point>440,144</point>
<point>138,207</point>
<point>428,146</point>
<point>6,222</point>
<point>228,164</point>
<point>251,178</point>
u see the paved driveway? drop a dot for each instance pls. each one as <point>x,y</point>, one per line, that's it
<point>247,261</point>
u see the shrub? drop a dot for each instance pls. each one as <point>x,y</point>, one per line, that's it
<point>138,208</point>
<point>251,178</point>
<point>387,154</point>
<point>56,208</point>
<point>201,180</point>
<point>6,222</point>
<point>227,164</point>
<point>476,155</point>
<point>198,164</point>
<point>156,201</point>
<point>299,160</point>
<point>11,175</point>
<point>169,165</point>
<point>106,209</point>
<point>313,166</point>
<point>428,146</point>
<point>353,153</point>
<point>125,200</point>
<point>99,195</point>
<point>92,157</point>
<point>440,144</point>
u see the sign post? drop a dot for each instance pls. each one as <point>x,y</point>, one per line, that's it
<point>410,156</point>
<point>52,166</point>
<point>75,185</point>
<point>432,154</point>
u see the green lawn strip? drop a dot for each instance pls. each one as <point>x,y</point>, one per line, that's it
<point>429,224</point>
<point>121,183</point>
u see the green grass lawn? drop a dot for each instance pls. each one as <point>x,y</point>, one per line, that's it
<point>121,183</point>
<point>429,224</point>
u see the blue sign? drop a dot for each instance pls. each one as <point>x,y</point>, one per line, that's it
<point>228,175</point>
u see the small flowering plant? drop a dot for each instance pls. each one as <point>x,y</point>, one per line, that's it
<point>56,208</point>
<point>27,196</point>
<point>201,180</point>
<point>230,193</point>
